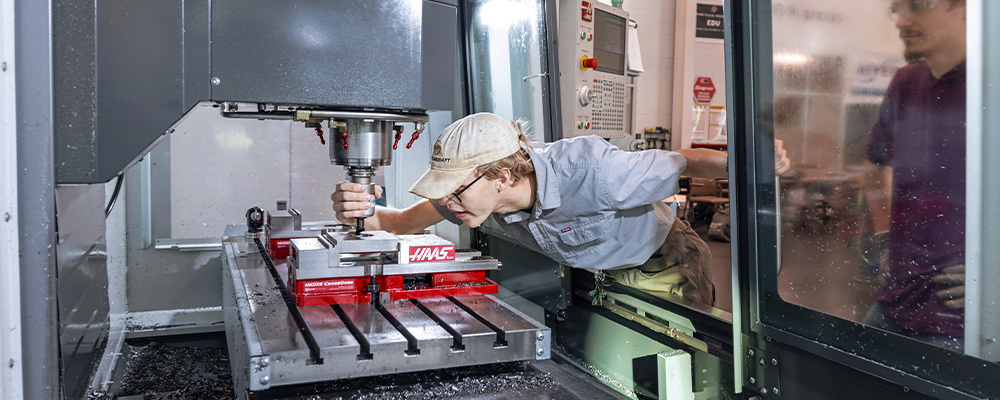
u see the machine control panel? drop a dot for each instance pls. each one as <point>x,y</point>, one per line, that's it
<point>594,74</point>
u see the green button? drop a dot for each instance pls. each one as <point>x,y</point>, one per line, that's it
<point>581,125</point>
<point>583,35</point>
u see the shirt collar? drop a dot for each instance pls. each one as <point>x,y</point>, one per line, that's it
<point>954,75</point>
<point>547,196</point>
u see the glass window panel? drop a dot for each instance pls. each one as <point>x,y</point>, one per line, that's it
<point>870,105</point>
<point>506,59</point>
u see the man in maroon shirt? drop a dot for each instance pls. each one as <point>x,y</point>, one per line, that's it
<point>920,134</point>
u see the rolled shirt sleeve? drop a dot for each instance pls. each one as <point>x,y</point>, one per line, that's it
<point>633,179</point>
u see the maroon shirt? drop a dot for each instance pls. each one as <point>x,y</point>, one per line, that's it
<point>921,134</point>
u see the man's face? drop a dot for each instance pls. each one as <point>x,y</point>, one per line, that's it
<point>928,26</point>
<point>477,201</point>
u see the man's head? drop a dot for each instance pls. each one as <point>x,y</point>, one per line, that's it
<point>929,28</point>
<point>478,157</point>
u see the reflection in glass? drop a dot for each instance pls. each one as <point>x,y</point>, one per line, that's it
<point>872,112</point>
<point>507,48</point>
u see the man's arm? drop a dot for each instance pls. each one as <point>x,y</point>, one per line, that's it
<point>705,163</point>
<point>350,202</point>
<point>413,219</point>
<point>878,194</point>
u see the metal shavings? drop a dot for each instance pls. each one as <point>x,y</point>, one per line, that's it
<point>157,371</point>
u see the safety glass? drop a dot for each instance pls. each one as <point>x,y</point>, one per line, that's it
<point>454,196</point>
<point>911,7</point>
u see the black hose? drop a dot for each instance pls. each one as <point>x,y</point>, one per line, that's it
<point>114,196</point>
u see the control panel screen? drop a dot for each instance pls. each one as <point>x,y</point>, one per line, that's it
<point>609,42</point>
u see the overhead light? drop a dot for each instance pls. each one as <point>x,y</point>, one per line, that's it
<point>790,58</point>
<point>500,13</point>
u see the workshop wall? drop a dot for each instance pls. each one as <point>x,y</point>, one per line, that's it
<point>654,87</point>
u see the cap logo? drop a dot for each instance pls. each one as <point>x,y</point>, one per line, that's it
<point>437,149</point>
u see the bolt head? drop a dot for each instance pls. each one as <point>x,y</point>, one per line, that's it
<point>762,362</point>
<point>541,351</point>
<point>265,380</point>
<point>763,390</point>
<point>774,361</point>
<point>6,217</point>
<point>750,352</point>
<point>216,81</point>
<point>265,362</point>
<point>753,380</point>
<point>775,391</point>
<point>541,336</point>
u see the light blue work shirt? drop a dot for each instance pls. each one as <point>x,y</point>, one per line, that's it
<point>597,206</point>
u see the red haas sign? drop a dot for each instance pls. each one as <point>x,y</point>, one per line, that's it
<point>432,253</point>
<point>703,90</point>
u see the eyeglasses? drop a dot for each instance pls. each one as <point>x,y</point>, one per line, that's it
<point>911,7</point>
<point>454,196</point>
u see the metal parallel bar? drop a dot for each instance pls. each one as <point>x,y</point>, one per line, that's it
<point>322,114</point>
<point>314,353</point>
<point>658,327</point>
<point>411,341</point>
<point>501,339</point>
<point>193,244</point>
<point>655,326</point>
<point>457,346</point>
<point>366,352</point>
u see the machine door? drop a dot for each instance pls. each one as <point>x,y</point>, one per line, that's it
<point>852,265</point>
<point>511,62</point>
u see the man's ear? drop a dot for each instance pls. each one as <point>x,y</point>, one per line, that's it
<point>506,178</point>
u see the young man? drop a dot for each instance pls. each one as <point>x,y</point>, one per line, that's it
<point>920,134</point>
<point>581,202</point>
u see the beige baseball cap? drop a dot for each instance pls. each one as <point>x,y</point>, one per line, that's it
<point>464,145</point>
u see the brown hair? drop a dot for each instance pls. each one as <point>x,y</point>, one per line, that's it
<point>518,163</point>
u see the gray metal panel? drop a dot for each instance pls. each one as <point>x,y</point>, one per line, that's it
<point>36,198</point>
<point>83,283</point>
<point>343,53</point>
<point>197,70</point>
<point>982,314</point>
<point>10,271</point>
<point>74,98</point>
<point>453,3</point>
<point>118,82</point>
<point>555,97</point>
<point>139,56</point>
<point>439,56</point>
<point>991,191</point>
<point>163,279</point>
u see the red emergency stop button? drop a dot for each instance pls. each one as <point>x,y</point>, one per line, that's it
<point>588,63</point>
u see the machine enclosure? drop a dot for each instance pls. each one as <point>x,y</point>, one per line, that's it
<point>123,78</point>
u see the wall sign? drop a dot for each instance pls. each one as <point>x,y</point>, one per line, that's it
<point>704,90</point>
<point>709,21</point>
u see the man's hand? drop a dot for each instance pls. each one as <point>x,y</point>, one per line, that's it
<point>954,295</point>
<point>781,162</point>
<point>350,201</point>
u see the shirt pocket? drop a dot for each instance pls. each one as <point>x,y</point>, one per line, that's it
<point>577,240</point>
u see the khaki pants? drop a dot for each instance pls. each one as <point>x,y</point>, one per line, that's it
<point>682,266</point>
